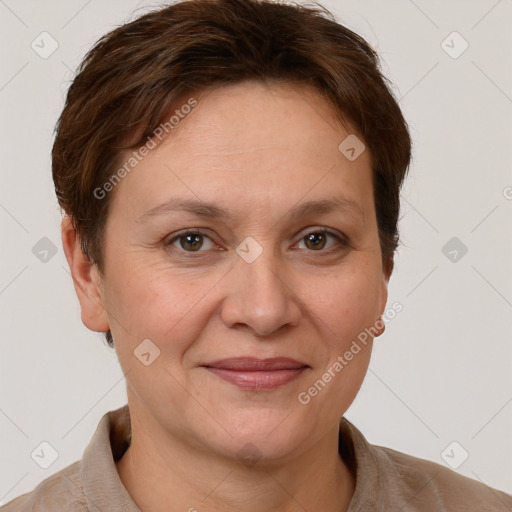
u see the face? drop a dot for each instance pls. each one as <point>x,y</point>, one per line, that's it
<point>267,248</point>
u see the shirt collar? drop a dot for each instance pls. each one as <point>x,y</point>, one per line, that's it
<point>104,490</point>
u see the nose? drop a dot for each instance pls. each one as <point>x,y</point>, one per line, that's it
<point>260,296</point>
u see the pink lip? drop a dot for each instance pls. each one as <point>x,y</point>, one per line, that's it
<point>257,374</point>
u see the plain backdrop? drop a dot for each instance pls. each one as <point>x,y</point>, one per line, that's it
<point>442,371</point>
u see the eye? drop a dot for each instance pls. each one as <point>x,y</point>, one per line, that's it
<point>191,241</point>
<point>194,241</point>
<point>318,240</point>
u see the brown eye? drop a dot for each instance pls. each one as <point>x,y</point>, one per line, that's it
<point>191,241</point>
<point>315,241</point>
<point>319,240</point>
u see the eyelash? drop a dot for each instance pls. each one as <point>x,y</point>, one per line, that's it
<point>343,241</point>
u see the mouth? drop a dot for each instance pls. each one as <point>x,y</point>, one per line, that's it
<point>257,374</point>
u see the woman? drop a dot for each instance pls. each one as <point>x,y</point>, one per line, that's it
<point>230,174</point>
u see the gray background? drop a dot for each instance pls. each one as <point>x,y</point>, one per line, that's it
<point>442,370</point>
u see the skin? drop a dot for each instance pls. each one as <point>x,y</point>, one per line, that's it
<point>257,151</point>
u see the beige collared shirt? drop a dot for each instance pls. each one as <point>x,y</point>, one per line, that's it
<point>386,480</point>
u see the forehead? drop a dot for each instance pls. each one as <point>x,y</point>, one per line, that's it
<point>252,116</point>
<point>254,144</point>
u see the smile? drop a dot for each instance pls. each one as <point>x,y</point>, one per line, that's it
<point>257,374</point>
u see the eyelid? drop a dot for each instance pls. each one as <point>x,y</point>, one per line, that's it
<point>169,241</point>
<point>340,237</point>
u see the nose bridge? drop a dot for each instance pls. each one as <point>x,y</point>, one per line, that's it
<point>262,277</point>
<point>261,299</point>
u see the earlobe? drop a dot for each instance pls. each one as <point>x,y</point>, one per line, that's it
<point>384,293</point>
<point>86,280</point>
<point>383,301</point>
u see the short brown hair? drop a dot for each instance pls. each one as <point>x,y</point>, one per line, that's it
<point>127,82</point>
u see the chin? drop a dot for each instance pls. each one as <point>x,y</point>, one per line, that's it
<point>262,434</point>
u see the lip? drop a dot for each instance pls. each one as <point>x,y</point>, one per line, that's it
<point>257,374</point>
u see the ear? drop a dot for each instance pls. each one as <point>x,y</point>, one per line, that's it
<point>86,280</point>
<point>384,287</point>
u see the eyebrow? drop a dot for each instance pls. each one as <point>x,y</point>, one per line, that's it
<point>212,210</point>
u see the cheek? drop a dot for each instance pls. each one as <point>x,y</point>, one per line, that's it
<point>353,312</point>
<point>335,388</point>
<point>150,300</point>
<point>345,302</point>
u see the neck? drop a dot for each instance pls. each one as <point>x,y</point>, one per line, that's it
<point>165,474</point>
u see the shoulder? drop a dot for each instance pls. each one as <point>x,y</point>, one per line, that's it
<point>426,485</point>
<point>387,479</point>
<point>59,492</point>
